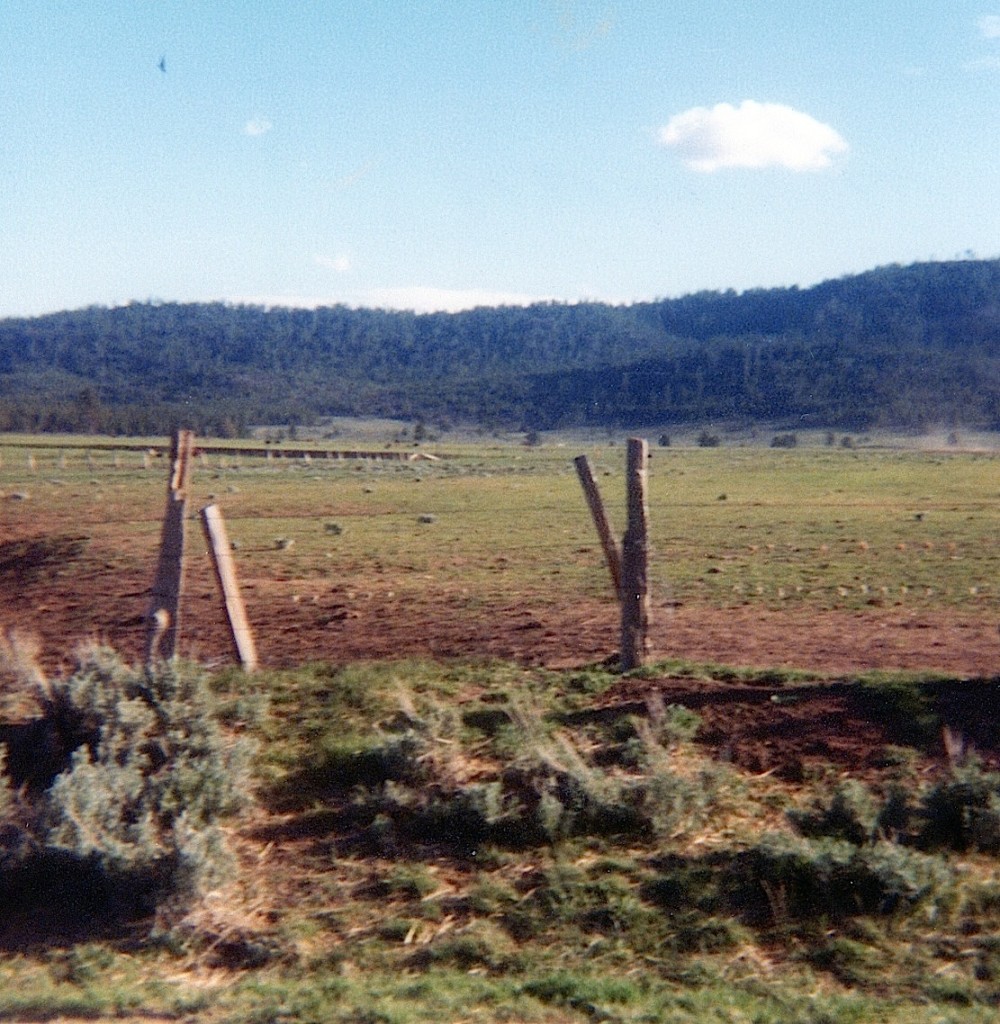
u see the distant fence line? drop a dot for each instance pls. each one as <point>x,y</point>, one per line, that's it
<point>269,452</point>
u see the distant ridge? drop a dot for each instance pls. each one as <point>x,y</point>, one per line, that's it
<point>903,346</point>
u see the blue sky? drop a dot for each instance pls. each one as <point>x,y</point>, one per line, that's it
<point>447,153</point>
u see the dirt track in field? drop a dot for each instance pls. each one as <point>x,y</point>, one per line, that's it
<point>81,595</point>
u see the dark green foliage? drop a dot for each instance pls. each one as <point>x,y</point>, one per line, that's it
<point>851,815</point>
<point>784,878</point>
<point>356,763</point>
<point>959,812</point>
<point>138,777</point>
<point>962,811</point>
<point>907,346</point>
<point>907,708</point>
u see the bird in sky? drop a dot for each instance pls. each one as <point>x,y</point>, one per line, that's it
<point>163,65</point>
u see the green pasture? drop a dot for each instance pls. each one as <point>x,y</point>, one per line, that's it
<point>344,911</point>
<point>820,527</point>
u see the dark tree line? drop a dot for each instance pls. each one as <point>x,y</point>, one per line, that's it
<point>902,346</point>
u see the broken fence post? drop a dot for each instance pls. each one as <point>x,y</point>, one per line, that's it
<point>225,574</point>
<point>608,543</point>
<point>635,559</point>
<point>163,618</point>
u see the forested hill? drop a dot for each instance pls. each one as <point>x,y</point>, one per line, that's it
<point>900,346</point>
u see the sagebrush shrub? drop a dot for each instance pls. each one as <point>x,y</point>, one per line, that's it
<point>962,811</point>
<point>784,877</point>
<point>851,814</point>
<point>146,776</point>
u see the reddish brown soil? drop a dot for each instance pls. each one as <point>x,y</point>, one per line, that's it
<point>98,594</point>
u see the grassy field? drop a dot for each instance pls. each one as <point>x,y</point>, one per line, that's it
<point>817,527</point>
<point>462,841</point>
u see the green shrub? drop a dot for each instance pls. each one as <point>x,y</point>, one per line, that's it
<point>786,878</point>
<point>962,811</point>
<point>851,815</point>
<point>343,764</point>
<point>133,811</point>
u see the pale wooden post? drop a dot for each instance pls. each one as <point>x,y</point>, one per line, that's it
<point>225,575</point>
<point>635,556</point>
<point>163,619</point>
<point>608,543</point>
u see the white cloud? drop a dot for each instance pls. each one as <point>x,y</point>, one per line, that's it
<point>257,126</point>
<point>447,300</point>
<point>752,135</point>
<point>339,264</point>
<point>989,26</point>
<point>419,299</point>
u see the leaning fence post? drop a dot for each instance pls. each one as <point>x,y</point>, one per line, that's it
<point>635,556</point>
<point>593,495</point>
<point>163,618</point>
<point>225,574</point>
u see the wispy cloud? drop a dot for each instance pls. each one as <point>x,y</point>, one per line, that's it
<point>989,26</point>
<point>358,174</point>
<point>418,298</point>
<point>753,135</point>
<point>257,126</point>
<point>423,299</point>
<point>340,264</point>
<point>983,64</point>
<point>580,31</point>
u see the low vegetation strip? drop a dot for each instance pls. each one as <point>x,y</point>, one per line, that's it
<point>431,840</point>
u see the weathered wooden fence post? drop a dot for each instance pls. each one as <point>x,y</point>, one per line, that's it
<point>635,559</point>
<point>608,543</point>
<point>225,575</point>
<point>163,619</point>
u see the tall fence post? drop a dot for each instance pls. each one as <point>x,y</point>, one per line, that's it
<point>163,618</point>
<point>225,574</point>
<point>608,543</point>
<point>635,560</point>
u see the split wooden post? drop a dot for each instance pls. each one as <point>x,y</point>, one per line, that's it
<point>635,560</point>
<point>163,619</point>
<point>225,574</point>
<point>611,554</point>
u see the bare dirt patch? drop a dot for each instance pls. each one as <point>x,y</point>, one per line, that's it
<point>63,590</point>
<point>800,731</point>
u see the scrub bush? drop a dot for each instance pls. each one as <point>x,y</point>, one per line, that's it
<point>139,777</point>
